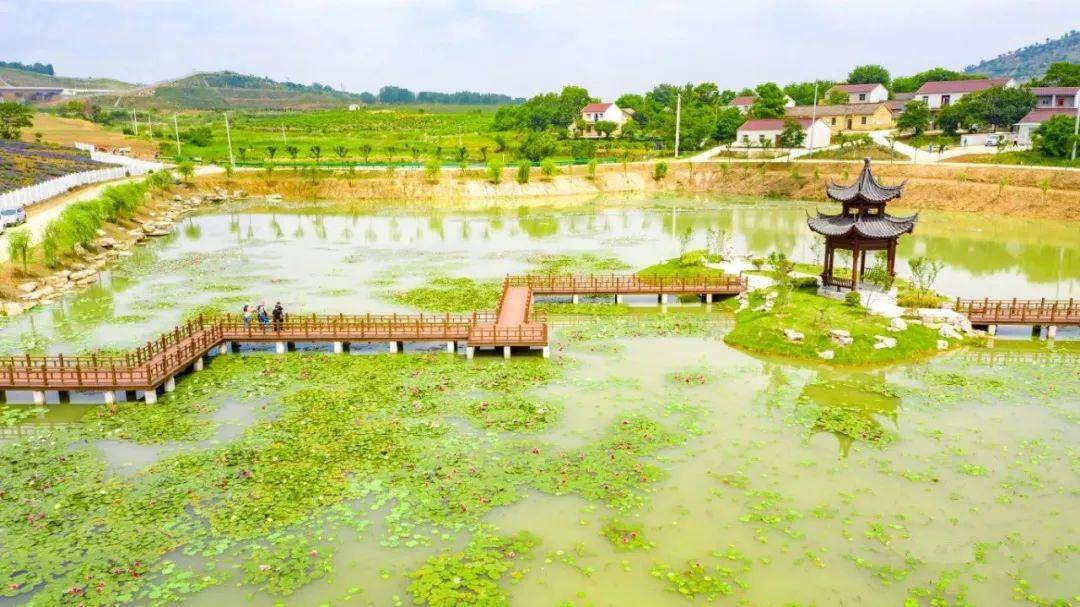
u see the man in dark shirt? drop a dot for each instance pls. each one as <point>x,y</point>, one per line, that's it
<point>278,316</point>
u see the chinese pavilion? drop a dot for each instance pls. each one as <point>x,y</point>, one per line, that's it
<point>861,226</point>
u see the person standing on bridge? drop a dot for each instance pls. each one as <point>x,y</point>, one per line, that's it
<point>247,316</point>
<point>279,317</point>
<point>264,318</point>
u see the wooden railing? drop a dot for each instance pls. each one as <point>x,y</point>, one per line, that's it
<point>627,284</point>
<point>835,281</point>
<point>521,335</point>
<point>1020,311</point>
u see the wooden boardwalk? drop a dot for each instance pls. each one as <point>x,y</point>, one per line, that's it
<point>513,324</point>
<point>1048,312</point>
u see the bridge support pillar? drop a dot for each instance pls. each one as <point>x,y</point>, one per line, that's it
<point>170,384</point>
<point>470,351</point>
<point>150,396</point>
<point>1051,331</point>
<point>574,299</point>
<point>235,345</point>
<point>506,352</point>
<point>618,298</point>
<point>290,346</point>
<point>339,347</point>
<point>224,349</point>
<point>199,363</point>
<point>396,346</point>
<point>280,347</point>
<point>661,299</point>
<point>39,397</point>
<point>547,351</point>
<point>110,398</point>
<point>451,347</point>
<point>708,298</point>
<point>991,330</point>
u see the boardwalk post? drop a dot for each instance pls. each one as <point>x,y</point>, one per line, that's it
<point>280,347</point>
<point>110,397</point>
<point>470,351</point>
<point>39,398</point>
<point>170,384</point>
<point>339,347</point>
<point>199,363</point>
<point>451,347</point>
<point>150,396</point>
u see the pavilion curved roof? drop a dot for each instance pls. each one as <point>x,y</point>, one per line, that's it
<point>866,187</point>
<point>864,226</point>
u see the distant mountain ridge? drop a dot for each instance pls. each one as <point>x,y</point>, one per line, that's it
<point>20,77</point>
<point>1031,61</point>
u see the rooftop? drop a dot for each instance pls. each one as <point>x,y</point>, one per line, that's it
<point>867,226</point>
<point>866,187</point>
<point>743,100</point>
<point>596,107</point>
<point>1038,116</point>
<point>771,124</point>
<point>1055,90</point>
<point>844,109</point>
<point>855,88</point>
<point>959,86</point>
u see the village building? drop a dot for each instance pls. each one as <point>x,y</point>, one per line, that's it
<point>848,117</point>
<point>862,93</point>
<point>940,93</point>
<point>1031,121</point>
<point>743,102</point>
<point>601,112</point>
<point>757,130</point>
<point>861,226</point>
<point>1055,96</point>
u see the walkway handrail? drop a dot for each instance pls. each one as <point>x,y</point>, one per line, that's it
<point>627,283</point>
<point>995,311</point>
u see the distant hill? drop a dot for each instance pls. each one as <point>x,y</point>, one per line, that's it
<point>20,77</point>
<point>1031,61</point>
<point>230,90</point>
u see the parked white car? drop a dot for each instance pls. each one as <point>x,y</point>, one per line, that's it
<point>12,217</point>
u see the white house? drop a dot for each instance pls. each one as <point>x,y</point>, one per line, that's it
<point>603,112</point>
<point>1055,96</point>
<point>754,131</point>
<point>1034,118</point>
<point>862,93</point>
<point>939,94</point>
<point>743,102</point>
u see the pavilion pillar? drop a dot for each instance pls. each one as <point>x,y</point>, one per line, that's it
<point>855,266</point>
<point>891,254</point>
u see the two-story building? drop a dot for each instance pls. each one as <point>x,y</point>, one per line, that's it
<point>862,93</point>
<point>1031,121</point>
<point>602,112</point>
<point>1055,96</point>
<point>940,93</point>
<point>848,116</point>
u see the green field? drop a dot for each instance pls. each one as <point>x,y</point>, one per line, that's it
<point>400,134</point>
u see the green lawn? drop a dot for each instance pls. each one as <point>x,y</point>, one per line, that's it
<point>1024,157</point>
<point>689,264</point>
<point>398,134</point>
<point>858,152</point>
<point>813,316</point>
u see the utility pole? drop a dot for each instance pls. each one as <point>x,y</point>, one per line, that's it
<point>176,133</point>
<point>134,122</point>
<point>1076,124</point>
<point>813,118</point>
<point>150,121</point>
<point>228,139</point>
<point>678,120</point>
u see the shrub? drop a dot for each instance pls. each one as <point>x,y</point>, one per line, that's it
<point>19,246</point>
<point>660,171</point>
<point>433,170</point>
<point>523,169</point>
<point>494,171</point>
<point>852,299</point>
<point>78,224</point>
<point>548,169</point>
<point>590,168</point>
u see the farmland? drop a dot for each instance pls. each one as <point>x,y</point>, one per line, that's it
<point>400,134</point>
<point>23,164</point>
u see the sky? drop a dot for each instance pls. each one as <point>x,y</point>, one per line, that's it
<point>518,47</point>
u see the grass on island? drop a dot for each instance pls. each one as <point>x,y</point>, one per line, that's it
<point>1020,157</point>
<point>873,151</point>
<point>814,316</point>
<point>691,263</point>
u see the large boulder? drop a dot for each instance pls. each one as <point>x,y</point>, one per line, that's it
<point>794,336</point>
<point>882,342</point>
<point>826,355</point>
<point>897,324</point>
<point>28,287</point>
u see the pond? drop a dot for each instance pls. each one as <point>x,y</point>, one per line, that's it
<point>651,462</point>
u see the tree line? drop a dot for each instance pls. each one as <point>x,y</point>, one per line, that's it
<point>40,68</point>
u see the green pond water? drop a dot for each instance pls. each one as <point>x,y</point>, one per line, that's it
<point>753,481</point>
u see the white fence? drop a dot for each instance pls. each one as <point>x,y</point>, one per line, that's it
<point>129,167</point>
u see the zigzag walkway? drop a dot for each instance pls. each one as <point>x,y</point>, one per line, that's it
<point>513,325</point>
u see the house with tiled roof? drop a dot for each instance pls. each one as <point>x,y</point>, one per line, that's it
<point>757,130</point>
<point>861,93</point>
<point>1055,96</point>
<point>848,116</point>
<point>940,93</point>
<point>1031,121</point>
<point>601,112</point>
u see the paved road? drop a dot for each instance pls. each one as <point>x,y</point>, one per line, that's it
<point>38,215</point>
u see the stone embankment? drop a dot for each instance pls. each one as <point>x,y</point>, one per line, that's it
<point>91,259</point>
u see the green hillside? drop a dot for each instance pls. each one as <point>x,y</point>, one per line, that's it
<point>230,90</point>
<point>16,77</point>
<point>1031,61</point>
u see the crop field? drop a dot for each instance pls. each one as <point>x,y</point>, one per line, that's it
<point>23,164</point>
<point>402,134</point>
